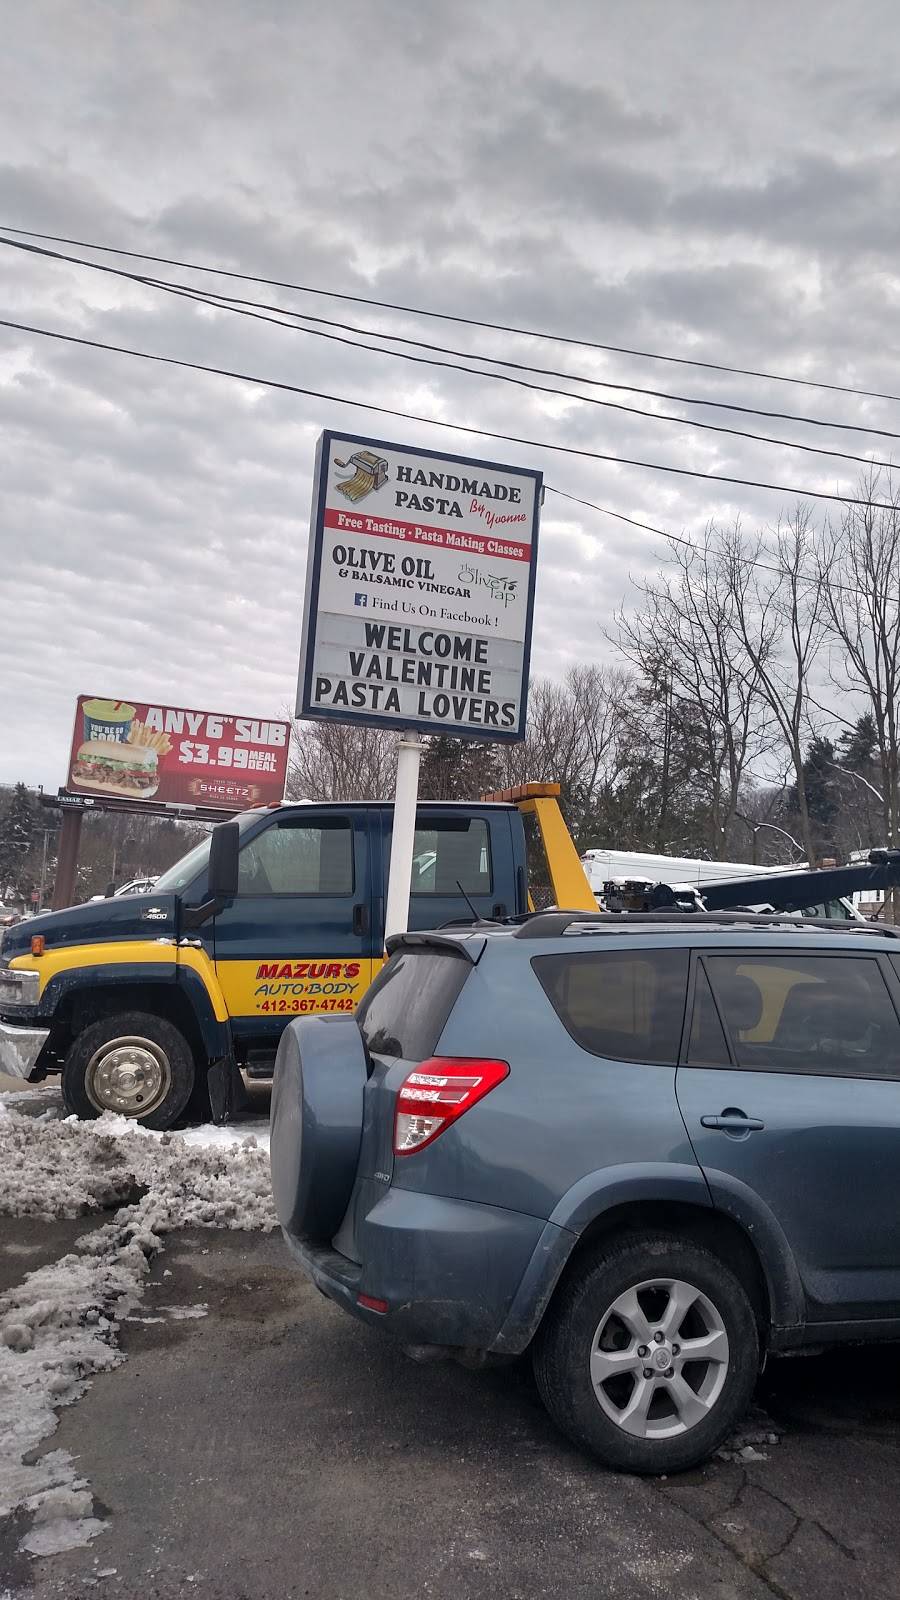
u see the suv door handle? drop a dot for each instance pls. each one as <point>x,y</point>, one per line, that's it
<point>360,918</point>
<point>733,1122</point>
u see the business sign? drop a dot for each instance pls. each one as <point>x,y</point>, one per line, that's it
<point>419,590</point>
<point>176,757</point>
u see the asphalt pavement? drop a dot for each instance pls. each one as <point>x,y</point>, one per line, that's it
<point>272,1448</point>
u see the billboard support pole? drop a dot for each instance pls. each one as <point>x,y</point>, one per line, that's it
<point>396,912</point>
<point>67,860</point>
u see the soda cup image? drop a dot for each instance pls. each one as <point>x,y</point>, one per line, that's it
<point>107,719</point>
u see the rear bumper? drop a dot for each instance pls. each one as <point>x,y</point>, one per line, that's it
<point>452,1273</point>
<point>20,1046</point>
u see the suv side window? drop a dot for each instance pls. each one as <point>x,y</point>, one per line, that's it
<point>294,856</point>
<point>827,1015</point>
<point>707,1046</point>
<point>627,1005</point>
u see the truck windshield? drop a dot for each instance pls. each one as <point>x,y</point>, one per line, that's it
<point>190,866</point>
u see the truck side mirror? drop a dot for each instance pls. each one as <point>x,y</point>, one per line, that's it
<point>223,861</point>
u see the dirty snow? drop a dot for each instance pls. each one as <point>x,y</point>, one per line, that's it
<point>58,1328</point>
<point>757,1428</point>
<point>57,1169</point>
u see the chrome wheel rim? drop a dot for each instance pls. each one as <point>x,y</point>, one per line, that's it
<point>659,1359</point>
<point>130,1076</point>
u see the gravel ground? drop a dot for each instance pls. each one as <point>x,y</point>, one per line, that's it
<point>252,1443</point>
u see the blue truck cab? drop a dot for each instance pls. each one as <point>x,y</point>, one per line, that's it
<point>150,1001</point>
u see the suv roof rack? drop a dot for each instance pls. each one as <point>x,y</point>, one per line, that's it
<point>547,924</point>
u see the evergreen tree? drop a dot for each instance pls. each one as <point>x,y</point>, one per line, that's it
<point>458,769</point>
<point>19,828</point>
<point>818,772</point>
<point>858,746</point>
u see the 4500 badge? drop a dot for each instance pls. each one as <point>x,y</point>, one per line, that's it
<point>297,986</point>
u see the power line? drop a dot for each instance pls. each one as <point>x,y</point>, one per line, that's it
<point>227,301</point>
<point>447,316</point>
<point>231,303</point>
<point>674,538</point>
<point>555,372</point>
<point>436,422</point>
<point>200,296</point>
<point>458,427</point>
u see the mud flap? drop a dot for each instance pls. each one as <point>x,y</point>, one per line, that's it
<point>227,1096</point>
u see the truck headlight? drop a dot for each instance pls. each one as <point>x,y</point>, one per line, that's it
<point>18,990</point>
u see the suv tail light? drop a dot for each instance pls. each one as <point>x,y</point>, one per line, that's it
<point>438,1093</point>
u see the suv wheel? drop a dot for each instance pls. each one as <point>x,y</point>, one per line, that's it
<point>136,1064</point>
<point>649,1354</point>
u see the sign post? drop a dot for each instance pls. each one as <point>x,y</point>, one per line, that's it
<point>418,610</point>
<point>406,795</point>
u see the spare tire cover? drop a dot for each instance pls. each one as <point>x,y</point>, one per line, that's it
<point>316,1123</point>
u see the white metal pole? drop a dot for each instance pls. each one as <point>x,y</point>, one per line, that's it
<point>396,911</point>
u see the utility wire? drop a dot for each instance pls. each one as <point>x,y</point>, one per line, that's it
<point>674,538</point>
<point>436,422</point>
<point>226,302</point>
<point>446,316</point>
<point>203,297</point>
<point>410,417</point>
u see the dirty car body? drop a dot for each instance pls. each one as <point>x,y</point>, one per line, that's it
<point>469,1161</point>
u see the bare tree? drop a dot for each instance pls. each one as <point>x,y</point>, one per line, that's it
<point>573,737</point>
<point>341,761</point>
<point>778,624</point>
<point>859,576</point>
<point>682,641</point>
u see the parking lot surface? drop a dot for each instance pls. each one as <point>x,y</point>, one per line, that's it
<point>256,1444</point>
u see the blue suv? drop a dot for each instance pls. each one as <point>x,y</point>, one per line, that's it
<point>653,1149</point>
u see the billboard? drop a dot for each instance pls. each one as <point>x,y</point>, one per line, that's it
<point>128,750</point>
<point>419,590</point>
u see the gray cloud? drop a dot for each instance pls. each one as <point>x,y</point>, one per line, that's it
<point>658,177</point>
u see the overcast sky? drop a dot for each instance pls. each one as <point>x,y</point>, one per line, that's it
<point>712,180</point>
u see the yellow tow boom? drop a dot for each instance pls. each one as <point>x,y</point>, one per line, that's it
<point>571,890</point>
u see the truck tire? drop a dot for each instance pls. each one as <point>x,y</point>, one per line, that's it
<point>316,1124</point>
<point>649,1353</point>
<point>136,1064</point>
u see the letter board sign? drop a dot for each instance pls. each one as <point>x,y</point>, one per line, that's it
<point>419,590</point>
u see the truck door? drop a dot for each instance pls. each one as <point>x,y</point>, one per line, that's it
<point>297,938</point>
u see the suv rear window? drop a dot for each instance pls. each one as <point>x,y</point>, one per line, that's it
<point>406,1008</point>
<point>624,1004</point>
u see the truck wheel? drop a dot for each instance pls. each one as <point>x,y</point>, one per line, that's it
<point>649,1355</point>
<point>136,1064</point>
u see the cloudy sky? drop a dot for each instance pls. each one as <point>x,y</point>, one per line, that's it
<point>717,181</point>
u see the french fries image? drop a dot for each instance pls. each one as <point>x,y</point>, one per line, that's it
<point>147,737</point>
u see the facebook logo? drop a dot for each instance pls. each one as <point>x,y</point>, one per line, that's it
<point>360,599</point>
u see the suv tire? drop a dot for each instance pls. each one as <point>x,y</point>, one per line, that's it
<point>124,1062</point>
<point>615,1363</point>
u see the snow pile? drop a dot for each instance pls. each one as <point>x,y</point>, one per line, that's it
<point>206,1177</point>
<point>28,1095</point>
<point>58,1327</point>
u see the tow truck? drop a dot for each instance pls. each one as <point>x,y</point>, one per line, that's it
<point>152,1005</point>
